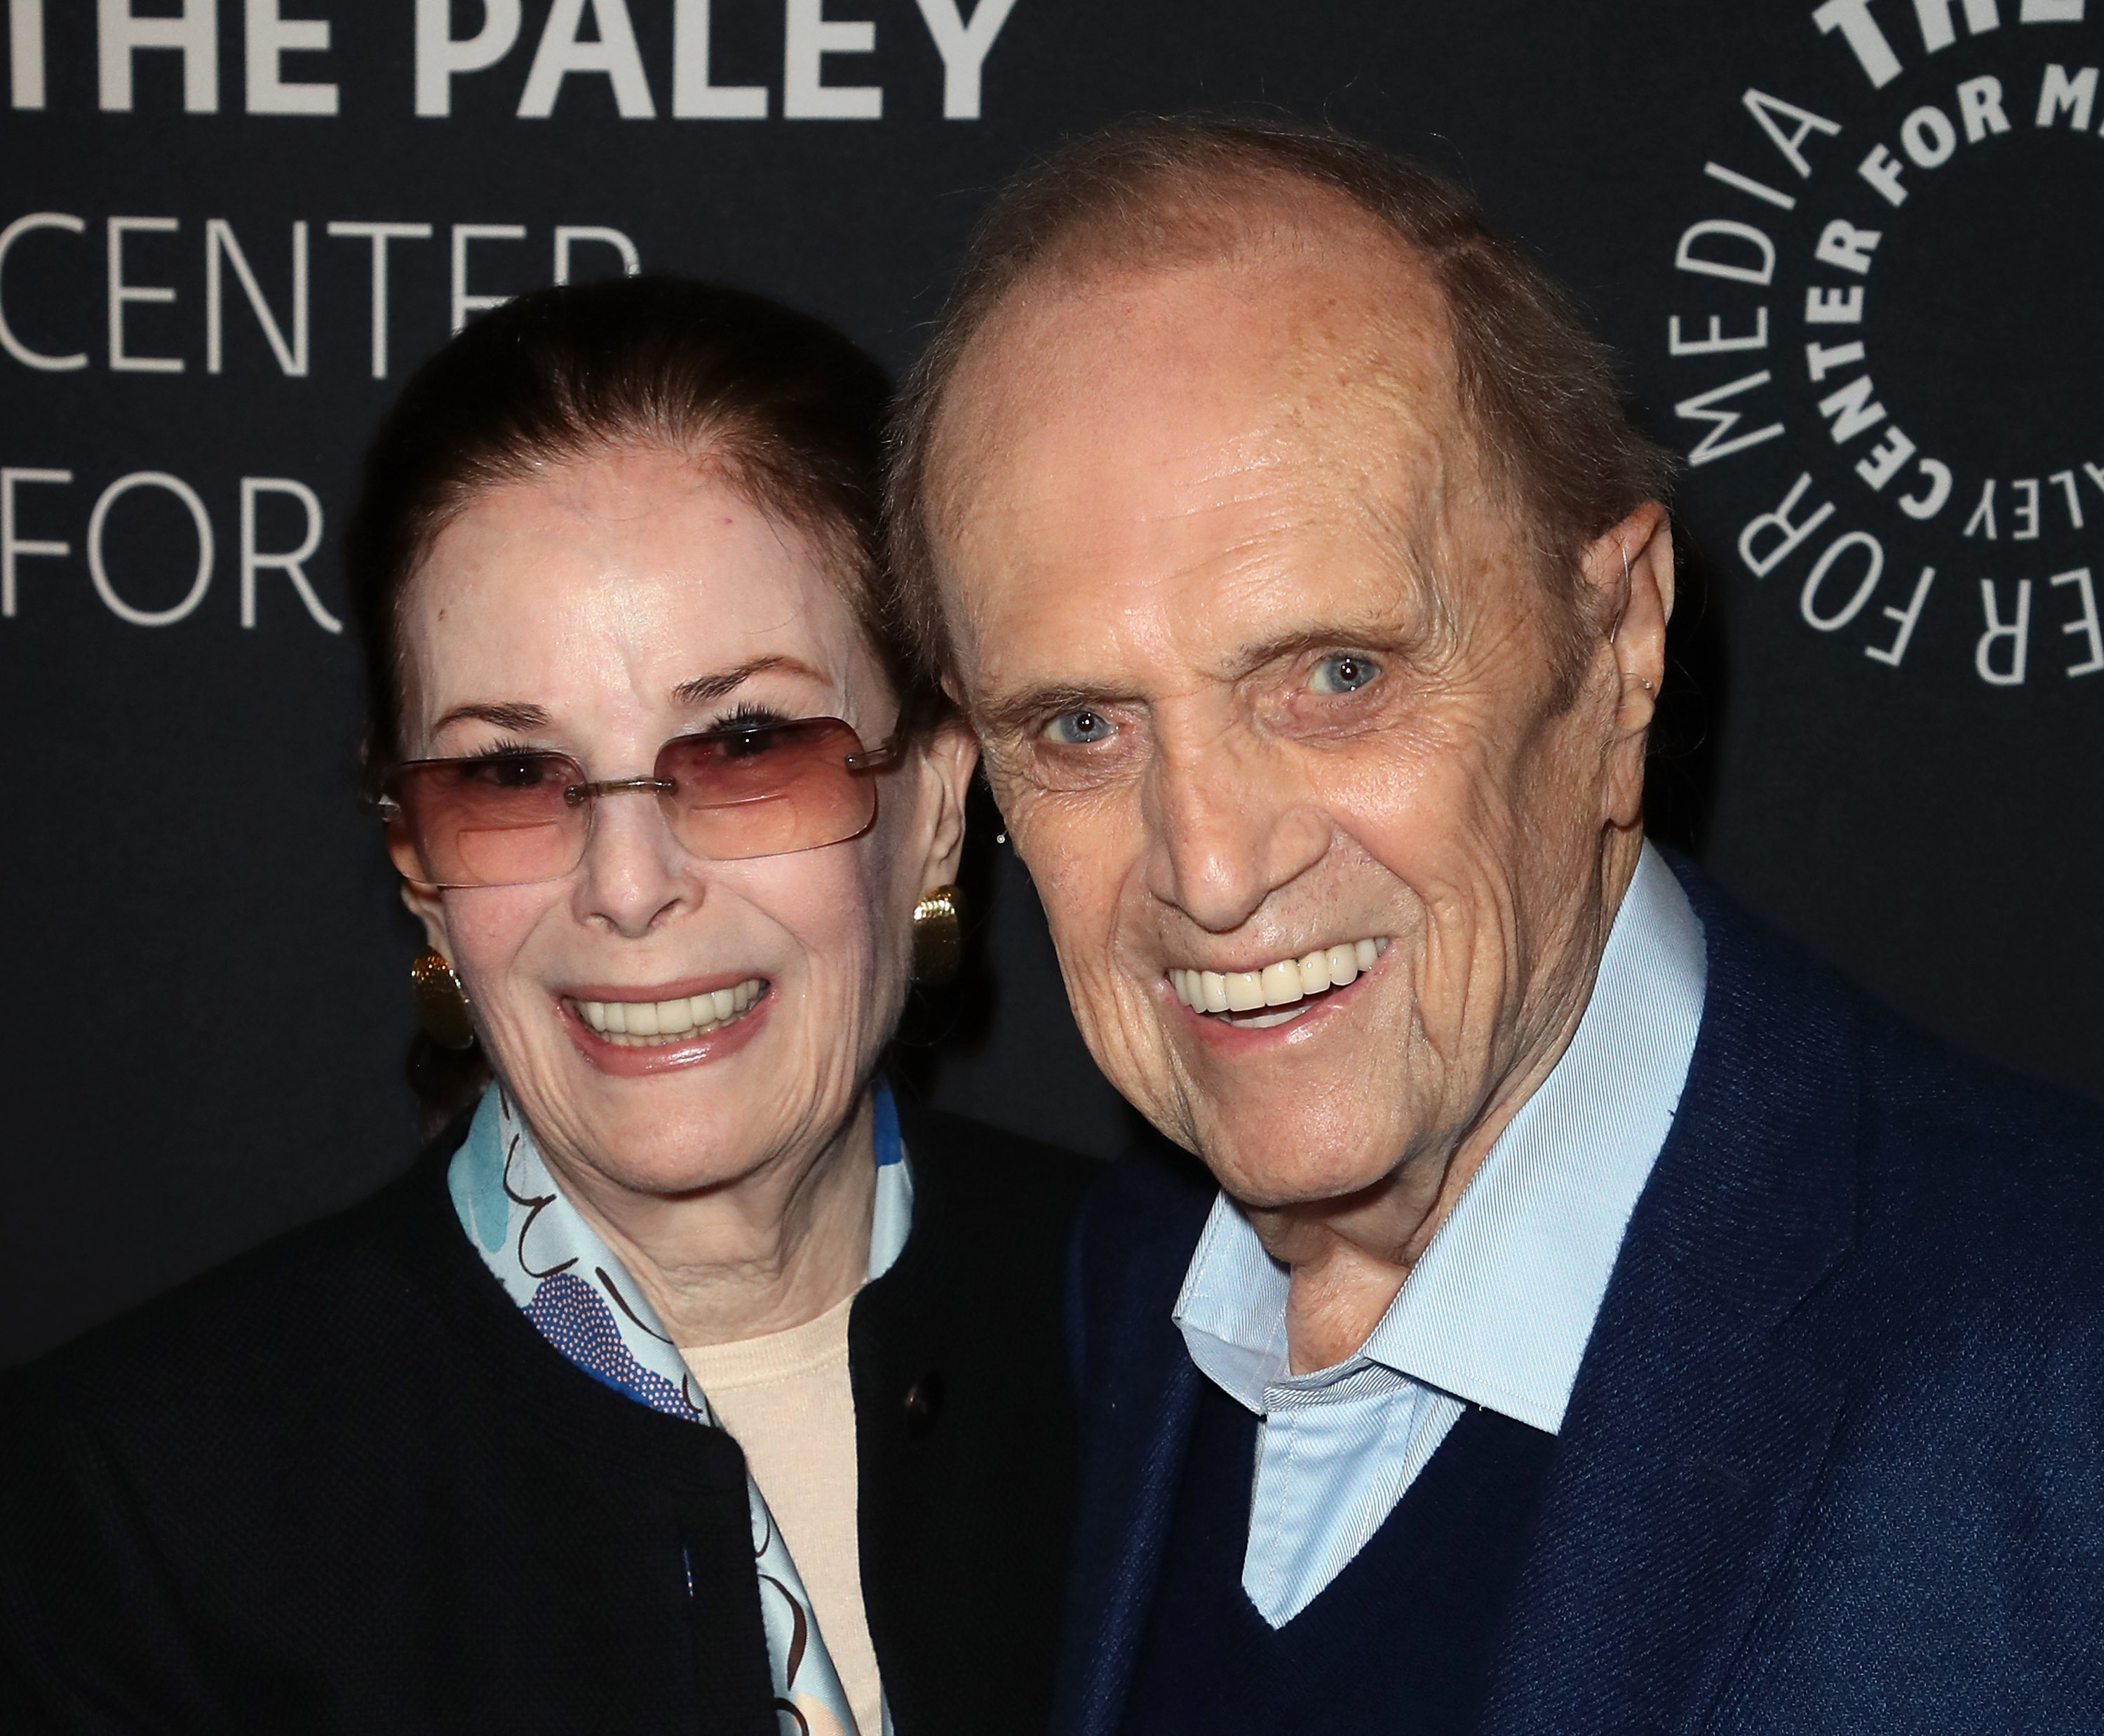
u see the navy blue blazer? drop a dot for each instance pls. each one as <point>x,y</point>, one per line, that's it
<point>1834,1460</point>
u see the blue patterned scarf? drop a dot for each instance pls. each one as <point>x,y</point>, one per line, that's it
<point>582,1299</point>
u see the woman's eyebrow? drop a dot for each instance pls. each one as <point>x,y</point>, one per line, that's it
<point>704,688</point>
<point>518,714</point>
<point>512,715</point>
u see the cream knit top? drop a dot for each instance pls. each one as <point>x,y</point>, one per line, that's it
<point>786,1400</point>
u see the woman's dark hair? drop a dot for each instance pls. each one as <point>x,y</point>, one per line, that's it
<point>786,410</point>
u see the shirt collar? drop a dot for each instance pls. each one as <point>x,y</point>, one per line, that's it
<point>1498,1310</point>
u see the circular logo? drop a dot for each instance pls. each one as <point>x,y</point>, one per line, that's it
<point>1883,346</point>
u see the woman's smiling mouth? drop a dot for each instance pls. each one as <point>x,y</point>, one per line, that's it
<point>658,1023</point>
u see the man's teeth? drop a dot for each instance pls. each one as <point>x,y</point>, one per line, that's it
<point>1279,984</point>
<point>642,1024</point>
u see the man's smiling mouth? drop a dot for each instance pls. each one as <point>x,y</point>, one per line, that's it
<point>1258,999</point>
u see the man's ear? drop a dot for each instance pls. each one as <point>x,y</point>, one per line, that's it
<point>947,758</point>
<point>1630,570</point>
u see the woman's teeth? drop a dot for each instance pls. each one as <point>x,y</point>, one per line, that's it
<point>643,1024</point>
<point>1279,984</point>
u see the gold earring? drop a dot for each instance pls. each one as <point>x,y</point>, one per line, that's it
<point>939,935</point>
<point>442,1002</point>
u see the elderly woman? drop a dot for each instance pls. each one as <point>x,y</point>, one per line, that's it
<point>690,1383</point>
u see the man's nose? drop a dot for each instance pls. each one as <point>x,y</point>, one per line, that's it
<point>1229,823</point>
<point>634,873</point>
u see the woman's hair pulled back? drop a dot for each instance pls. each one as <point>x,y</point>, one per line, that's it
<point>785,408</point>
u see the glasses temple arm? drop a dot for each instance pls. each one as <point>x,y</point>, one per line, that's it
<point>882,757</point>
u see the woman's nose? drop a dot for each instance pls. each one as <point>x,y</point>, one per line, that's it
<point>634,871</point>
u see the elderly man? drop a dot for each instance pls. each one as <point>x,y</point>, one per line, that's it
<point>1603,1320</point>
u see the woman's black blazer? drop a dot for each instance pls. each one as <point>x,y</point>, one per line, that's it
<point>343,1484</point>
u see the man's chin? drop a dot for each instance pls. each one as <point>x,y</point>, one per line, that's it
<point>1271,1173</point>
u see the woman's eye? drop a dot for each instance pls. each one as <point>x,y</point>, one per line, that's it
<point>747,744</point>
<point>1079,729</point>
<point>508,771</point>
<point>1343,672</point>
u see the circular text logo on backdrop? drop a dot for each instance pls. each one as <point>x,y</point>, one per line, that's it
<point>1879,342</point>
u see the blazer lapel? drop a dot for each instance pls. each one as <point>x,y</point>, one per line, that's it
<point>1696,1429</point>
<point>1138,1394</point>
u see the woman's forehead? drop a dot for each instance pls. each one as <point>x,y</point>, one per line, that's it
<point>645,577</point>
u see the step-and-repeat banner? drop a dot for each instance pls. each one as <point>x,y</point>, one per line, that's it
<point>1850,252</point>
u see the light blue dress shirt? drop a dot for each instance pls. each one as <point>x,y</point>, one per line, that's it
<point>1497,1311</point>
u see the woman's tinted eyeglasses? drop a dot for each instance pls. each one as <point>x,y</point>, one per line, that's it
<point>757,789</point>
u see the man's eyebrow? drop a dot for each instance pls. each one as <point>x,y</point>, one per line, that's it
<point>1325,635</point>
<point>1020,711</point>
<point>511,715</point>
<point>704,688</point>
<point>1386,637</point>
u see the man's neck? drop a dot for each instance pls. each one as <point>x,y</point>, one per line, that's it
<point>1349,1257</point>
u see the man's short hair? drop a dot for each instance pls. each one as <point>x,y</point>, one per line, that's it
<point>1539,389</point>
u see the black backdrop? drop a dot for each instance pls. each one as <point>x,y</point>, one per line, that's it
<point>206,964</point>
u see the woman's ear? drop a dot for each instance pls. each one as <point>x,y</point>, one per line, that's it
<point>947,758</point>
<point>428,905</point>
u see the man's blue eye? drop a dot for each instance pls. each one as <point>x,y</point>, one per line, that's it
<point>1343,672</point>
<point>1080,729</point>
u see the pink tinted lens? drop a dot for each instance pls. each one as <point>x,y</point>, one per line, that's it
<point>492,822</point>
<point>767,790</point>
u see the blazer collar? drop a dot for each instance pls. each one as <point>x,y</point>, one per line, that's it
<point>1696,1429</point>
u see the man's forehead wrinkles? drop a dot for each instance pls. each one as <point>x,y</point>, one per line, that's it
<point>1246,556</point>
<point>1151,469</point>
<point>1034,642</point>
<point>1197,437</point>
<point>1314,326</point>
<point>1249,509</point>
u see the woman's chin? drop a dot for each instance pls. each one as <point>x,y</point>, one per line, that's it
<point>658,1149</point>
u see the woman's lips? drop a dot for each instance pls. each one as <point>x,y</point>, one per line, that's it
<point>635,1023</point>
<point>628,1033</point>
